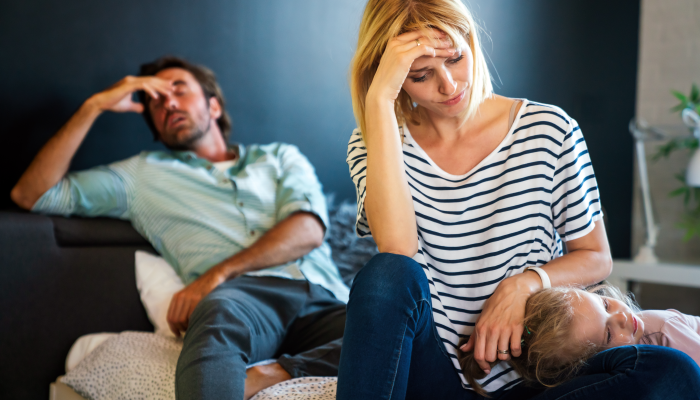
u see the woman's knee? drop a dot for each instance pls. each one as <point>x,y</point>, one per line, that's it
<point>659,360</point>
<point>668,362</point>
<point>390,276</point>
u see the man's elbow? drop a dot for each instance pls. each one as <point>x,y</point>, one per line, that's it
<point>21,199</point>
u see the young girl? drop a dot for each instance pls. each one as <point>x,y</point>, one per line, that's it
<point>566,326</point>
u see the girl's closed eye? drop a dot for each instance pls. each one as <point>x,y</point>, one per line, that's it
<point>606,304</point>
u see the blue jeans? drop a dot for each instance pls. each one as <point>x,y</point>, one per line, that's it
<point>391,350</point>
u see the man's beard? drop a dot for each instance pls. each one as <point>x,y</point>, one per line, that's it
<point>188,143</point>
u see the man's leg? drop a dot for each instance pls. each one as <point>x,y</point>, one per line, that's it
<point>307,350</point>
<point>320,361</point>
<point>242,321</point>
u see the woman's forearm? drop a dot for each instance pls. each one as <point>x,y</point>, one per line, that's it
<point>587,262</point>
<point>388,202</point>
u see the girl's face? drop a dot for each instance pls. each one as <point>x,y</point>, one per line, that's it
<point>442,85</point>
<point>605,322</point>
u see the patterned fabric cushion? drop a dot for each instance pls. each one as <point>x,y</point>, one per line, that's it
<point>141,365</point>
<point>131,365</point>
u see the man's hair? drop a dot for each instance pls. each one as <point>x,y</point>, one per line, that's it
<point>206,79</point>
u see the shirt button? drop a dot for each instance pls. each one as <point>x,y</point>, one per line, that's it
<point>209,167</point>
<point>224,181</point>
<point>240,204</point>
<point>252,233</point>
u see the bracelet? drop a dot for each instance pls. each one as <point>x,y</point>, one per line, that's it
<point>546,284</point>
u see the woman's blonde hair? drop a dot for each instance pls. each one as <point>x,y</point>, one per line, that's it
<point>549,355</point>
<point>385,19</point>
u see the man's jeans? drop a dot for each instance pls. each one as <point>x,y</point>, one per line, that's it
<point>391,350</point>
<point>249,319</point>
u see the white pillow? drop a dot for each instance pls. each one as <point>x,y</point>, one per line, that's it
<point>157,282</point>
<point>83,346</point>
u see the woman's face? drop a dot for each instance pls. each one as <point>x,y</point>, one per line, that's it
<point>442,85</point>
<point>606,322</point>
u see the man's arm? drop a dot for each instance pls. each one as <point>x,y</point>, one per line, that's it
<point>53,160</point>
<point>290,239</point>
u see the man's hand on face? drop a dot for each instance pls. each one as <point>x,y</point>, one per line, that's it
<point>118,98</point>
<point>184,302</point>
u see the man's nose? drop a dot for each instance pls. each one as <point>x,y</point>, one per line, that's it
<point>170,102</point>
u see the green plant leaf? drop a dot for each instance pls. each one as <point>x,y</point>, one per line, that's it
<point>680,177</point>
<point>694,94</point>
<point>677,108</point>
<point>678,192</point>
<point>680,96</point>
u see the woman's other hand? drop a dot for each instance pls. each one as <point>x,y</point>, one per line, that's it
<point>500,326</point>
<point>398,57</point>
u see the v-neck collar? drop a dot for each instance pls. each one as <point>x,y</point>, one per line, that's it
<point>410,140</point>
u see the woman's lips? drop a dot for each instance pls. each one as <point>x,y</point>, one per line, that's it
<point>454,100</point>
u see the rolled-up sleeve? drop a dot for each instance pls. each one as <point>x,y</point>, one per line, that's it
<point>100,191</point>
<point>298,188</point>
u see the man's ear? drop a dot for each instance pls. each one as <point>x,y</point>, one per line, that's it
<point>214,108</point>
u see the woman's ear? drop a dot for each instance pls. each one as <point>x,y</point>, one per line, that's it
<point>214,108</point>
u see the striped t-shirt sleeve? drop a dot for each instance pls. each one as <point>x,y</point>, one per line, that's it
<point>99,191</point>
<point>575,198</point>
<point>357,162</point>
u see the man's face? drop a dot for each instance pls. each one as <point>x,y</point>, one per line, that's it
<point>184,116</point>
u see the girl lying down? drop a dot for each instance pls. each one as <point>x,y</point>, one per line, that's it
<point>566,326</point>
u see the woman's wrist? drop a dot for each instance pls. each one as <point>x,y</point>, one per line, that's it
<point>529,281</point>
<point>377,99</point>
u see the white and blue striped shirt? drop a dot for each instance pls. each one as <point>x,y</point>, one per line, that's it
<point>509,212</point>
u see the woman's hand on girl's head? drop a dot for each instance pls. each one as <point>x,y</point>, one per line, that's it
<point>500,326</point>
<point>398,57</point>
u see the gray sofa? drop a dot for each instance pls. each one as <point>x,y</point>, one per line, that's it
<point>61,278</point>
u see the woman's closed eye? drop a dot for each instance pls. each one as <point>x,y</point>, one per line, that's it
<point>426,75</point>
<point>455,60</point>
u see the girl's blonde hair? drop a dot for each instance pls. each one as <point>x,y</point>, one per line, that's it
<point>385,19</point>
<point>549,355</point>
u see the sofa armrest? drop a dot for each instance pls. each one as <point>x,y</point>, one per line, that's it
<point>50,295</point>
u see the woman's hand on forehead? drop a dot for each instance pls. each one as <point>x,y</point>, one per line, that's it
<point>398,57</point>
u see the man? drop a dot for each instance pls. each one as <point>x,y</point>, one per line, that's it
<point>242,226</point>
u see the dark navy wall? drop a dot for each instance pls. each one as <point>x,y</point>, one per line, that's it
<point>283,66</point>
<point>580,55</point>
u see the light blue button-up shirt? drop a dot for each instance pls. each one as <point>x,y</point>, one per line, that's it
<point>197,215</point>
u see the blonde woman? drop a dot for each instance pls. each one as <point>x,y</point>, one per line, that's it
<point>463,191</point>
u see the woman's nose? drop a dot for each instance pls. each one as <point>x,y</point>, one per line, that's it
<point>447,85</point>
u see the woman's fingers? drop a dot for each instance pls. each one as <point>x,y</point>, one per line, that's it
<point>490,351</point>
<point>435,36</point>
<point>515,341</point>
<point>413,50</point>
<point>480,353</point>
<point>503,344</point>
<point>469,346</point>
